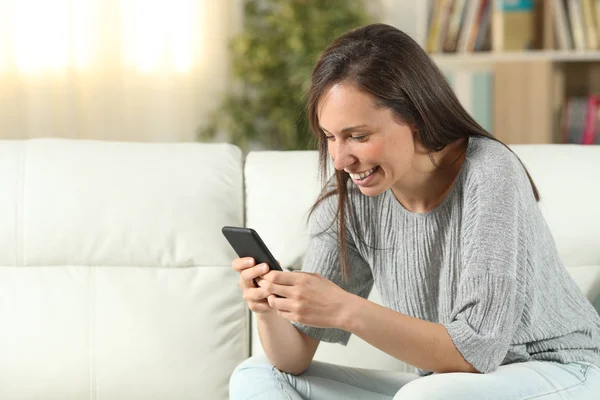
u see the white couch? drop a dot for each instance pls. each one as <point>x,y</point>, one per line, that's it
<point>115,281</point>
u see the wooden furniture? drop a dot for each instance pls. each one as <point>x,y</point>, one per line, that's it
<point>531,87</point>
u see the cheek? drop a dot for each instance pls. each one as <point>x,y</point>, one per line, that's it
<point>396,159</point>
<point>373,151</point>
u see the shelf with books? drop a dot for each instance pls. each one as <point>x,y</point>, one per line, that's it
<point>542,58</point>
<point>471,26</point>
<point>577,108</point>
<point>489,58</point>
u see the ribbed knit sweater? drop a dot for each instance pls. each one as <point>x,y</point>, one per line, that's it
<point>483,264</point>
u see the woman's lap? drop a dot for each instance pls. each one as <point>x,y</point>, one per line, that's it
<point>519,381</point>
<point>257,379</point>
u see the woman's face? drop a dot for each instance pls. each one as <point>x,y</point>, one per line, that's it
<point>367,142</point>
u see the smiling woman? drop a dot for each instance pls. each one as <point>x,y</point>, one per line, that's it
<point>443,219</point>
<point>373,148</point>
<point>111,69</point>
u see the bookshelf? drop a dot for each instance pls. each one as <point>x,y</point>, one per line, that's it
<point>491,58</point>
<point>541,57</point>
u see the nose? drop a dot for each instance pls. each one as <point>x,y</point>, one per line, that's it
<point>341,156</point>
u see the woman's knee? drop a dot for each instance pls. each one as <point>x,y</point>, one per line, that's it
<point>255,365</point>
<point>432,387</point>
<point>253,377</point>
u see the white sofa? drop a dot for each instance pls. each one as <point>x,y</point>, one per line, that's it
<point>115,281</point>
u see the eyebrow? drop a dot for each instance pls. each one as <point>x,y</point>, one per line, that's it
<point>348,129</point>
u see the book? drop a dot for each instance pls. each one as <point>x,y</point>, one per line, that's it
<point>454,26</point>
<point>434,26</point>
<point>444,16</point>
<point>469,25</point>
<point>516,20</point>
<point>591,118</point>
<point>576,23</point>
<point>481,42</point>
<point>561,22</point>
<point>575,119</point>
<point>597,141</point>
<point>590,24</point>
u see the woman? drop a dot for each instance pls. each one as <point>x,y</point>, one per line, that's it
<point>443,219</point>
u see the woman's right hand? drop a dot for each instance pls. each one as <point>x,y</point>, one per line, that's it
<point>255,297</point>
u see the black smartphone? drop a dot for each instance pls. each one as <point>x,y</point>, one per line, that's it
<point>247,243</point>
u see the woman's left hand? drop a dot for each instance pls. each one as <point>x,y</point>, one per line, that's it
<point>307,298</point>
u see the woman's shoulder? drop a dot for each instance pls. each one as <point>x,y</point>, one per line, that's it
<point>489,154</point>
<point>490,162</point>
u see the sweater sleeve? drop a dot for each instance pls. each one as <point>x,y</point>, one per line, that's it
<point>322,257</point>
<point>488,302</point>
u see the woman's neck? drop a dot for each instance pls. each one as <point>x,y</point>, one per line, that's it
<point>429,184</point>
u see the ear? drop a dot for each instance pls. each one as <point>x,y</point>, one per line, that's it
<point>416,133</point>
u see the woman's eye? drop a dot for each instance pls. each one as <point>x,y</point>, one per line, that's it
<point>360,138</point>
<point>329,137</point>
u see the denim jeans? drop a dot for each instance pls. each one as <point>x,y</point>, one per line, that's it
<point>257,379</point>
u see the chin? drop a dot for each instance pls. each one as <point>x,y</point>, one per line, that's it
<point>372,191</point>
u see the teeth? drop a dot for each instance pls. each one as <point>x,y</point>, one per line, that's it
<point>363,175</point>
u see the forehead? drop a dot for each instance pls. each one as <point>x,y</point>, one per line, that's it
<point>345,103</point>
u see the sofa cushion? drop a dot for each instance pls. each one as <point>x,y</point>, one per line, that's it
<point>280,188</point>
<point>568,177</point>
<point>109,203</point>
<point>115,281</point>
<point>119,332</point>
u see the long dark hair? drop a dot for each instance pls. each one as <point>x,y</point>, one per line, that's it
<point>390,66</point>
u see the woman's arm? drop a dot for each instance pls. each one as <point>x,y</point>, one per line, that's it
<point>315,301</point>
<point>288,349</point>
<point>312,300</point>
<point>423,344</point>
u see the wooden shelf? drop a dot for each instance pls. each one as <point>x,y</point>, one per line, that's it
<point>491,58</point>
<point>520,95</point>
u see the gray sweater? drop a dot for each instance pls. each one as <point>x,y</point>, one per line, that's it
<point>483,264</point>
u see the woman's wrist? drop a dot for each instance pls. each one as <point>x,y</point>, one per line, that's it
<point>266,314</point>
<point>349,314</point>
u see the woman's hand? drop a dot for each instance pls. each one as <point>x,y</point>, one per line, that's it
<point>306,298</point>
<point>255,297</point>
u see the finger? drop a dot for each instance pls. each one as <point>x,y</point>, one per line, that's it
<point>254,272</point>
<point>284,277</point>
<point>279,303</point>
<point>285,314</point>
<point>281,290</point>
<point>240,264</point>
<point>310,273</point>
<point>256,281</point>
<point>257,294</point>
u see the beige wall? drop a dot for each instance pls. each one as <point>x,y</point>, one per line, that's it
<point>115,102</point>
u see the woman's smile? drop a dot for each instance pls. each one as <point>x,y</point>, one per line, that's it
<point>364,178</point>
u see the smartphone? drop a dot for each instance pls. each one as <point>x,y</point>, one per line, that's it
<point>247,243</point>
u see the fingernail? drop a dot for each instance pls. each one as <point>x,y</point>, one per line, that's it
<point>249,261</point>
<point>264,268</point>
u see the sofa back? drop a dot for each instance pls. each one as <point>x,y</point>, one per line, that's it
<point>281,187</point>
<point>115,282</point>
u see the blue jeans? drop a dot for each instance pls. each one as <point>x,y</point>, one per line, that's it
<point>257,379</point>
